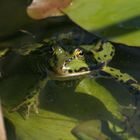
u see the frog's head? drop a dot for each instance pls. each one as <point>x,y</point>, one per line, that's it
<point>79,62</point>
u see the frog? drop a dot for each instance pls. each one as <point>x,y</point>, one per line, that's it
<point>61,65</point>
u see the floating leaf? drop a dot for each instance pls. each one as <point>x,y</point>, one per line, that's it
<point>117,21</point>
<point>40,9</point>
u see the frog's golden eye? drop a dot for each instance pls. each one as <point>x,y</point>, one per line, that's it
<point>78,53</point>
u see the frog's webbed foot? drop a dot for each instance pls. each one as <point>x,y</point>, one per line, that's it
<point>31,102</point>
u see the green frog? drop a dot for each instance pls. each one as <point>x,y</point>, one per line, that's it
<point>60,64</point>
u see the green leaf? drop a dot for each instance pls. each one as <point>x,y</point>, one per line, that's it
<point>45,125</point>
<point>65,104</point>
<point>117,21</point>
<point>90,130</point>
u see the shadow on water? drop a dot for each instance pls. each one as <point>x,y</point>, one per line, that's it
<point>64,100</point>
<point>118,91</point>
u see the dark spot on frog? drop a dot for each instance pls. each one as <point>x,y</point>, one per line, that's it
<point>117,75</point>
<point>105,55</point>
<point>113,48</point>
<point>70,71</point>
<point>74,57</point>
<point>116,78</point>
<point>82,69</point>
<point>100,48</point>
<point>129,82</point>
<point>112,52</point>
<point>76,70</point>
<point>102,73</point>
<point>111,70</point>
<point>121,76</point>
<point>99,58</point>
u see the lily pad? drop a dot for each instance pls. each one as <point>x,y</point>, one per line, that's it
<point>117,21</point>
<point>40,9</point>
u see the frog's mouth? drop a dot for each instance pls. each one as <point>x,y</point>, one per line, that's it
<point>82,72</point>
<point>67,76</point>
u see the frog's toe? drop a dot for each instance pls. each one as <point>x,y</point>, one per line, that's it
<point>31,107</point>
<point>28,105</point>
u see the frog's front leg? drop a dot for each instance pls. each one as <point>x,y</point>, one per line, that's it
<point>31,101</point>
<point>130,83</point>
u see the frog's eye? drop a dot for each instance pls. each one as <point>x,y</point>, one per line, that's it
<point>78,53</point>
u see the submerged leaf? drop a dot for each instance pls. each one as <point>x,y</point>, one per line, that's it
<point>90,130</point>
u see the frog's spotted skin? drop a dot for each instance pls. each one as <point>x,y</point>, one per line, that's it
<point>103,52</point>
<point>63,65</point>
<point>31,101</point>
<point>123,78</point>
